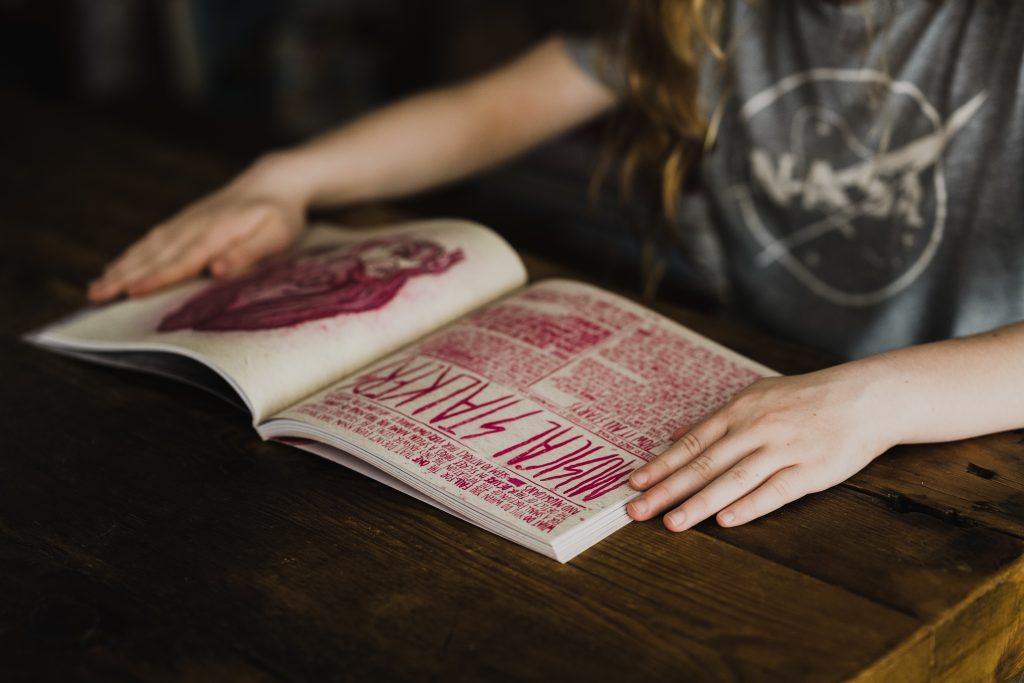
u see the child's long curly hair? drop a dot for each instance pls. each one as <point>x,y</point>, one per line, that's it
<point>658,46</point>
<point>654,50</point>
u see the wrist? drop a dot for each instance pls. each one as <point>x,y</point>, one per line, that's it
<point>277,175</point>
<point>898,398</point>
<point>877,394</point>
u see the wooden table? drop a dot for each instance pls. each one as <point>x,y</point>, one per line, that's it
<point>147,533</point>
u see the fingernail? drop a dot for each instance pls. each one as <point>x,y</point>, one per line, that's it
<point>640,506</point>
<point>639,478</point>
<point>678,518</point>
<point>726,517</point>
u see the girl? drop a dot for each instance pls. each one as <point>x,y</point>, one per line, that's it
<point>863,168</point>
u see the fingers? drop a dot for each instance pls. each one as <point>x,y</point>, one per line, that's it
<point>227,242</point>
<point>115,275</point>
<point>739,480</point>
<point>150,260</point>
<point>682,429</point>
<point>265,240</point>
<point>695,475</point>
<point>137,260</point>
<point>687,447</point>
<point>190,257</point>
<point>781,488</point>
<point>183,263</point>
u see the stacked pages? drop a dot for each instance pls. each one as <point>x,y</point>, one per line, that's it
<point>415,355</point>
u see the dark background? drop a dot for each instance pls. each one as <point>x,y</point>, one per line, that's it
<point>239,77</point>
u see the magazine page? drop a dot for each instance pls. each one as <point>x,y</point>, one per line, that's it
<point>529,415</point>
<point>339,300</point>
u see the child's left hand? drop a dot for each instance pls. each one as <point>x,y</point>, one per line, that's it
<point>779,439</point>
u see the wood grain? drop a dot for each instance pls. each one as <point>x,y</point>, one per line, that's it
<point>147,533</point>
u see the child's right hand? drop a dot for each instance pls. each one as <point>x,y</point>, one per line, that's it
<point>224,233</point>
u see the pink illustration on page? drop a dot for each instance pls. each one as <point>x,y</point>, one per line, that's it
<point>318,282</point>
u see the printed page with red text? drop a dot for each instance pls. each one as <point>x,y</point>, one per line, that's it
<point>339,300</point>
<point>528,416</point>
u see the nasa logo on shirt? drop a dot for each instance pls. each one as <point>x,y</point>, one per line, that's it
<point>847,189</point>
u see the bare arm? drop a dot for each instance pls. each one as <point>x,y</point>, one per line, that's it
<point>413,145</point>
<point>447,134</point>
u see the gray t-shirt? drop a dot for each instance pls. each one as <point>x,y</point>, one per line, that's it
<point>866,187</point>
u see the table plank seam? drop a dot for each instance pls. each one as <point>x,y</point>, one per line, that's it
<point>900,503</point>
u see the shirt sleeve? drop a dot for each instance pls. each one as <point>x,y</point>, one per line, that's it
<point>594,58</point>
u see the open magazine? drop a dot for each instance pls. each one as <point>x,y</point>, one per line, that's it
<point>415,355</point>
